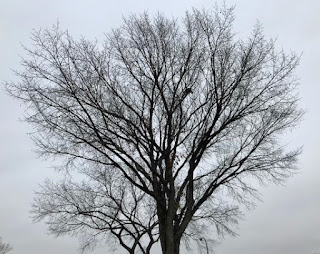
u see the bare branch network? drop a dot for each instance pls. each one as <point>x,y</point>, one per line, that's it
<point>4,247</point>
<point>169,122</point>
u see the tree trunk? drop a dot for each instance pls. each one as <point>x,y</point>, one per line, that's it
<point>177,246</point>
<point>170,242</point>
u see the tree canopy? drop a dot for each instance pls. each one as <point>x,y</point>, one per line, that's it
<point>169,123</point>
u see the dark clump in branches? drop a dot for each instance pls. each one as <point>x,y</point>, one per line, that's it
<point>169,122</point>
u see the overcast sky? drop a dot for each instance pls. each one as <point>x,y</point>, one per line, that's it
<point>288,219</point>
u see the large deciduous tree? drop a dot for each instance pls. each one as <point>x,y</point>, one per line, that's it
<point>169,124</point>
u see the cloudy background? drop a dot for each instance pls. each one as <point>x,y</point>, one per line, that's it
<point>288,219</point>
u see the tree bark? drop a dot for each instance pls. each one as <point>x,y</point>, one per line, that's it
<point>170,242</point>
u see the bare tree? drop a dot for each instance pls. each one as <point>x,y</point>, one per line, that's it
<point>169,124</point>
<point>4,247</point>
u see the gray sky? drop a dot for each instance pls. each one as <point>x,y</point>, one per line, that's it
<point>287,221</point>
